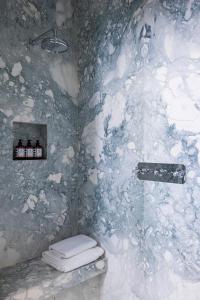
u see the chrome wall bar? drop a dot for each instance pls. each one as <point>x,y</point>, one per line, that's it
<point>171,173</point>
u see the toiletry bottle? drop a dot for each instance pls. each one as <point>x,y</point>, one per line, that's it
<point>20,150</point>
<point>38,150</point>
<point>29,149</point>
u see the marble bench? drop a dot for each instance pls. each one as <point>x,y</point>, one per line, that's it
<point>34,280</point>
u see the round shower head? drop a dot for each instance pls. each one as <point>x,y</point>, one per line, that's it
<point>54,44</point>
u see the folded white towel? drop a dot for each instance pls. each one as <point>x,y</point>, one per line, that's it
<point>69,264</point>
<point>73,246</point>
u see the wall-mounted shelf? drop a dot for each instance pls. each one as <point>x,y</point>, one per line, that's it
<point>34,274</point>
<point>30,131</point>
<point>28,158</point>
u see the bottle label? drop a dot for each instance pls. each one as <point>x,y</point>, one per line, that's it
<point>29,152</point>
<point>38,152</point>
<point>20,152</point>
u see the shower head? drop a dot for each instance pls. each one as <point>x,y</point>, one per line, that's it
<point>54,45</point>
<point>51,44</point>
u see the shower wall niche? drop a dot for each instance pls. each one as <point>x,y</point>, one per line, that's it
<point>30,132</point>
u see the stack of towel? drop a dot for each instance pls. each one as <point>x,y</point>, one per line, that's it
<point>72,253</point>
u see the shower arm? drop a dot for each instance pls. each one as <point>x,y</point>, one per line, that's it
<point>41,36</point>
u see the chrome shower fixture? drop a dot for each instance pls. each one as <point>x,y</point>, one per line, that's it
<point>50,42</point>
<point>161,172</point>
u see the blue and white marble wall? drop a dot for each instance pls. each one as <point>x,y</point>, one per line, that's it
<point>139,98</point>
<point>171,134</point>
<point>139,101</point>
<point>37,198</point>
<point>111,140</point>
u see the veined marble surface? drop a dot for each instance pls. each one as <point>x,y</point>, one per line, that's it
<point>139,97</point>
<point>36,280</point>
<point>37,198</point>
<point>84,291</point>
<point>139,100</point>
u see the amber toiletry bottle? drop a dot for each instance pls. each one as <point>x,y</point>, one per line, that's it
<point>29,149</point>
<point>38,150</point>
<point>19,150</point>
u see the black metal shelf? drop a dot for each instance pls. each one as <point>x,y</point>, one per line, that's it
<point>28,158</point>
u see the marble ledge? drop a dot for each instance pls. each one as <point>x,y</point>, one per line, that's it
<point>34,280</point>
